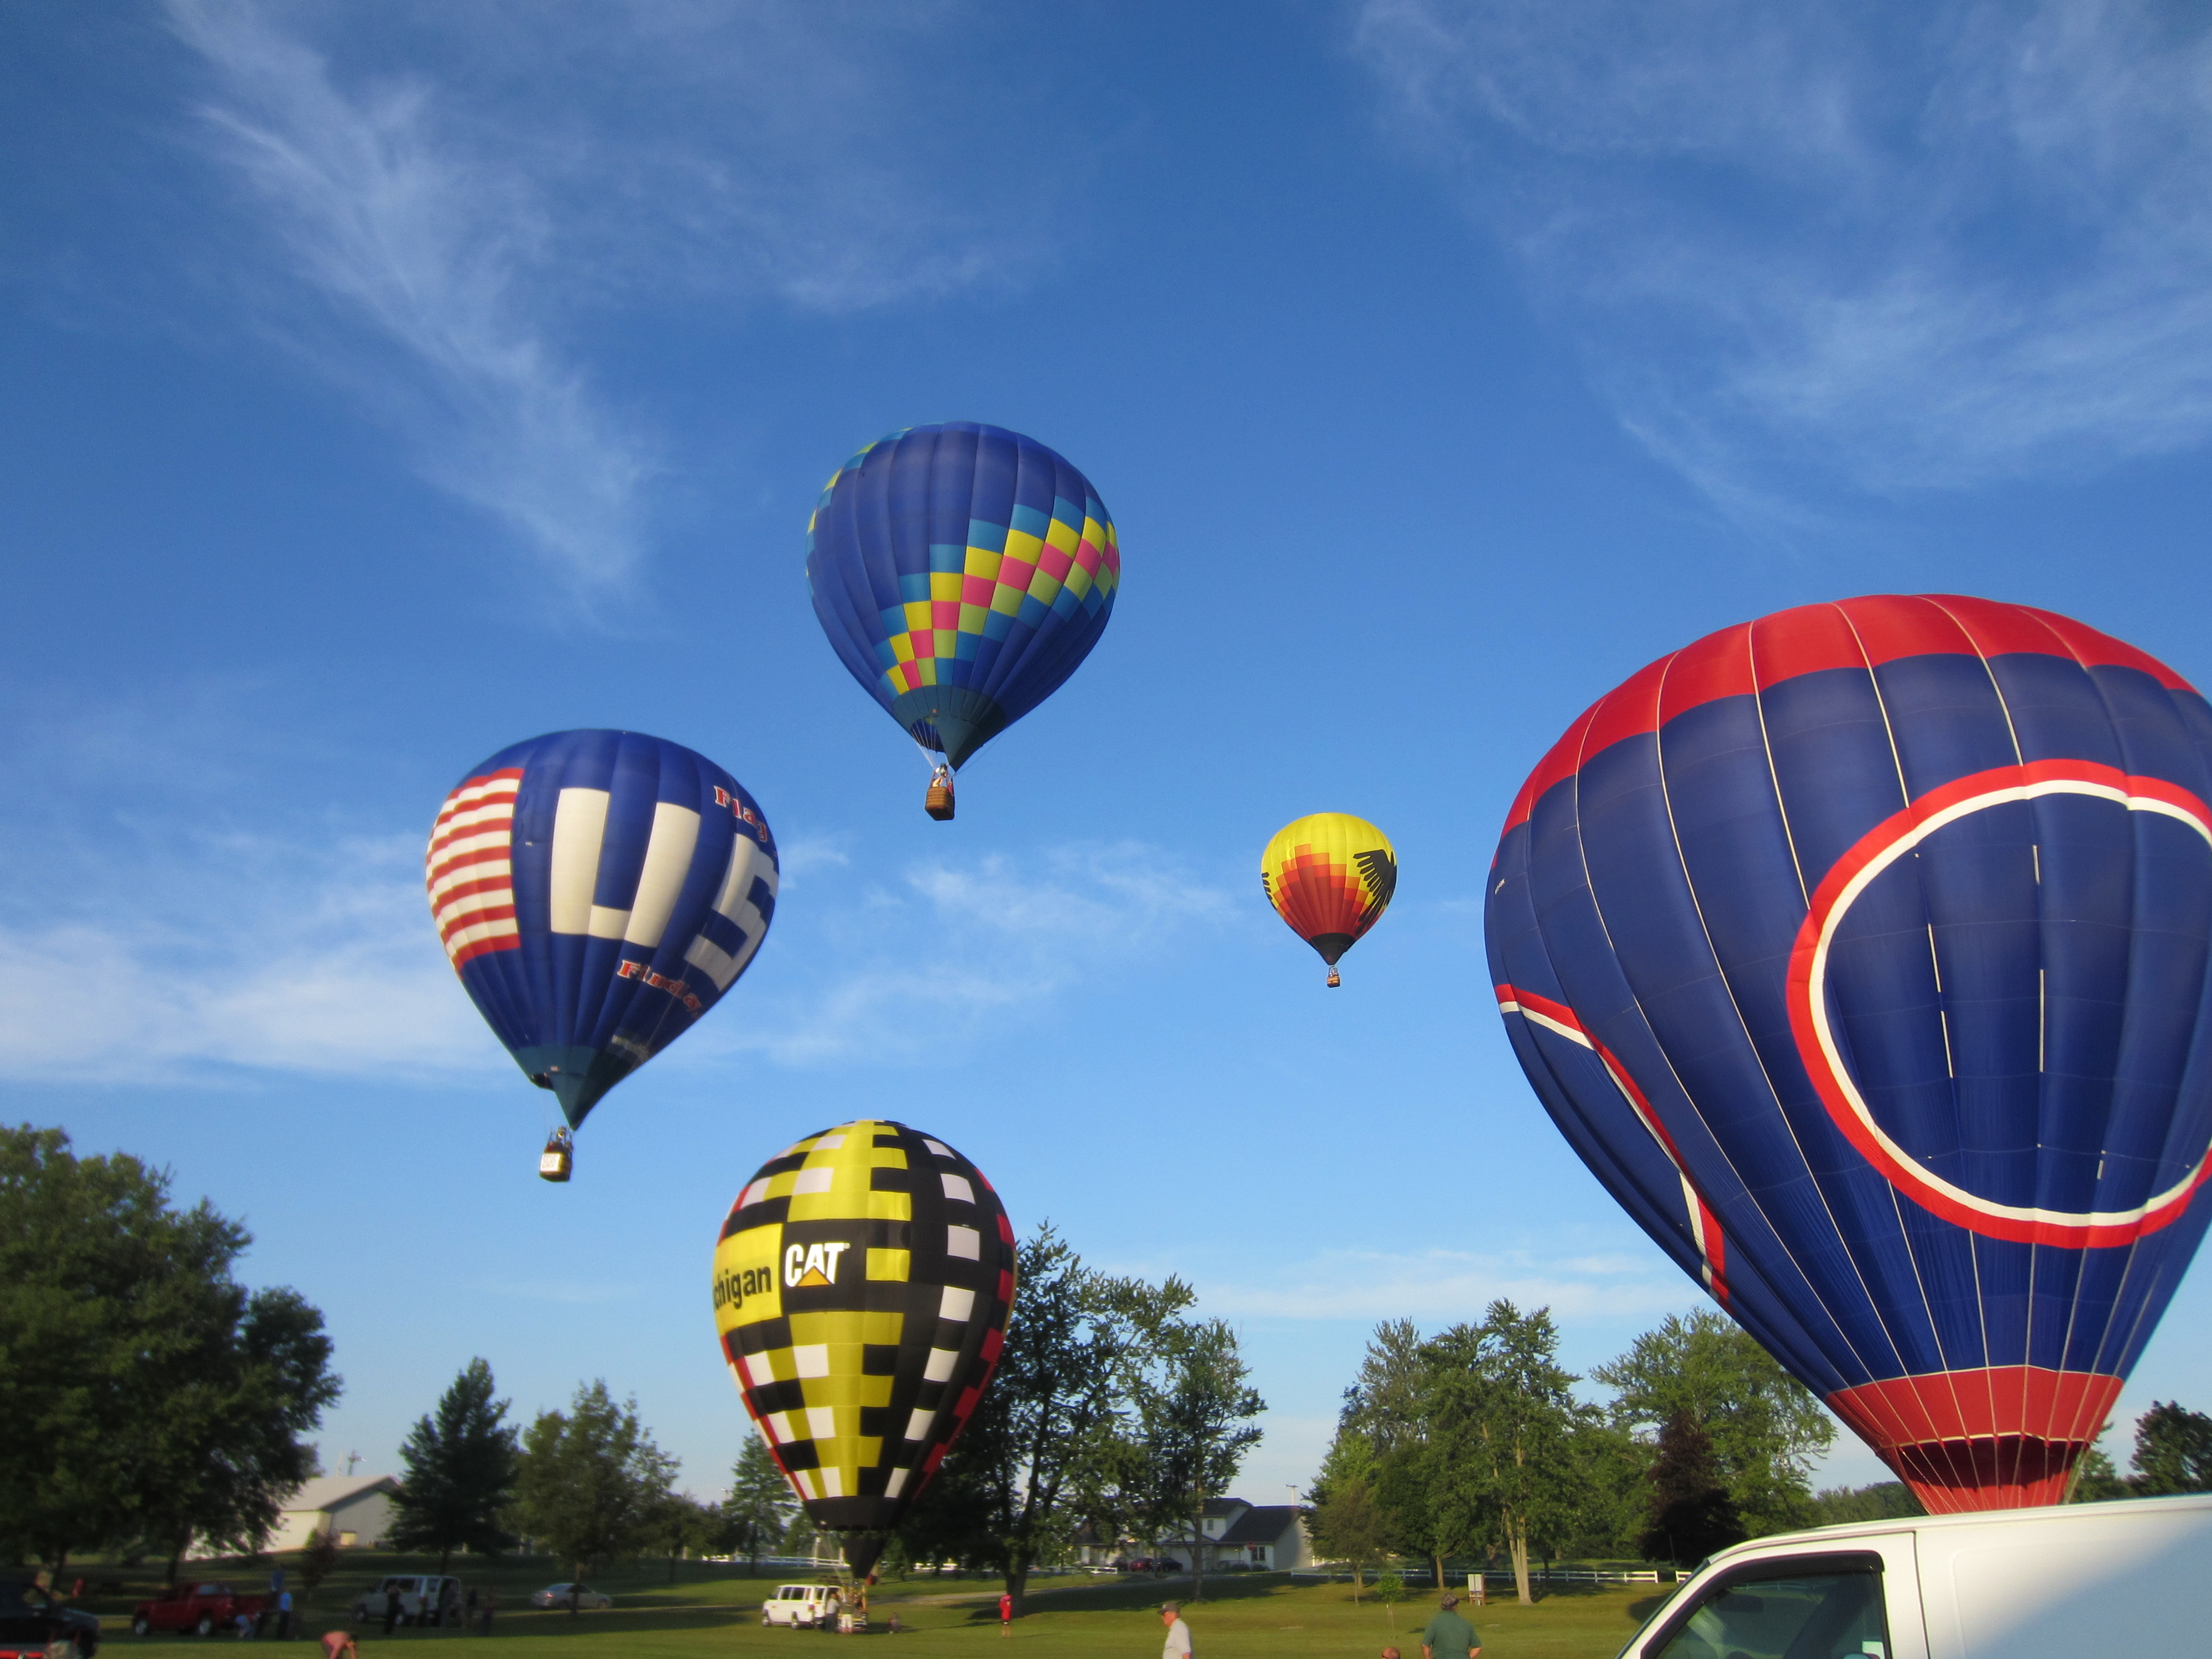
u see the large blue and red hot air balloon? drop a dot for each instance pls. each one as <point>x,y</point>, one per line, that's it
<point>962,571</point>
<point>598,892</point>
<point>1861,952</point>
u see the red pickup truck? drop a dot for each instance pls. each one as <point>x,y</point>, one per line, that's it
<point>202,1608</point>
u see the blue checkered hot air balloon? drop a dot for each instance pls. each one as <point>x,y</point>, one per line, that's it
<point>1864,953</point>
<point>962,572</point>
<point>598,892</point>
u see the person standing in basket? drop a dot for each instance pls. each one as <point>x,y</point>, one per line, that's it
<point>1178,1643</point>
<point>1449,1636</point>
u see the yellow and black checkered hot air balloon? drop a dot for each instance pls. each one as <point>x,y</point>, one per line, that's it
<point>861,1288</point>
<point>1330,876</point>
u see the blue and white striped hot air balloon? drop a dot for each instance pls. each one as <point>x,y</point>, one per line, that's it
<point>598,892</point>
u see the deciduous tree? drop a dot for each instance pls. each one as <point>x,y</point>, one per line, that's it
<point>1195,1412</point>
<point>1765,1426</point>
<point>592,1482</point>
<point>1346,1522</point>
<point>145,1394</point>
<point>1049,1447</point>
<point>1503,1422</point>
<point>460,1470</point>
<point>2173,1451</point>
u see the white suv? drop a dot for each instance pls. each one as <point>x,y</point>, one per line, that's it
<point>803,1604</point>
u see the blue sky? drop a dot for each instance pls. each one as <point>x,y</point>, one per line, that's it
<point>390,383</point>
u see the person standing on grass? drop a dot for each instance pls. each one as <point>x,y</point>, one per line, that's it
<point>1007,1612</point>
<point>1449,1636</point>
<point>490,1602</point>
<point>390,1607</point>
<point>1178,1643</point>
<point>284,1615</point>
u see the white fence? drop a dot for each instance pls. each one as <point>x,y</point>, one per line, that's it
<point>1496,1578</point>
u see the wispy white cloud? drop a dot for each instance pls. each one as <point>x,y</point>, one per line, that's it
<point>895,974</point>
<point>1903,247</point>
<point>455,193</point>
<point>414,247</point>
<point>267,958</point>
<point>1435,1286</point>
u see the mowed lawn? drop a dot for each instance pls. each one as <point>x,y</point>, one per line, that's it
<point>709,1612</point>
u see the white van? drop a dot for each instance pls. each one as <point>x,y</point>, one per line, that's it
<point>2077,1581</point>
<point>425,1597</point>
<point>803,1604</point>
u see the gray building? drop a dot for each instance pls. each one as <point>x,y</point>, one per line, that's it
<point>355,1510</point>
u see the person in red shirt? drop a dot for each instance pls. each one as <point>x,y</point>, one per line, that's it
<point>1006,1614</point>
<point>339,1645</point>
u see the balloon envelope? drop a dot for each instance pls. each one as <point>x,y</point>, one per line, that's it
<point>1330,877</point>
<point>962,571</point>
<point>862,1283</point>
<point>598,892</point>
<point>1860,952</point>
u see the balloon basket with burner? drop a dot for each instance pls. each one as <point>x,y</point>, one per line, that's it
<point>936,800</point>
<point>558,1161</point>
<point>1335,979</point>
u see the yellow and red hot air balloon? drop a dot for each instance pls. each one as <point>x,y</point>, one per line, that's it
<point>1330,877</point>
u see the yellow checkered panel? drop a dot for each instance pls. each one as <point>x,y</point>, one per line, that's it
<point>862,1284</point>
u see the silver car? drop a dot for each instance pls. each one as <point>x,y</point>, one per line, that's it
<point>559,1595</point>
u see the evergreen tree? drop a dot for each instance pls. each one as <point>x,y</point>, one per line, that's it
<point>760,1503</point>
<point>2174,1451</point>
<point>461,1469</point>
<point>1691,1513</point>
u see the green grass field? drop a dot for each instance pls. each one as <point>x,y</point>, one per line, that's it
<point>709,1611</point>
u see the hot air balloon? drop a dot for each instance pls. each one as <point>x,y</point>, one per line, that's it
<point>962,571</point>
<point>1330,877</point>
<point>862,1283</point>
<point>1860,952</point>
<point>598,892</point>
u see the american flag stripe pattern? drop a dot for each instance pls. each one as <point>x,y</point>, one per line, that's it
<point>470,867</point>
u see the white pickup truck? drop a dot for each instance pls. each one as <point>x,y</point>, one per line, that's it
<point>2078,1581</point>
<point>795,1605</point>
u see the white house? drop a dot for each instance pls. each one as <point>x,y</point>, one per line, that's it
<point>1264,1537</point>
<point>355,1510</point>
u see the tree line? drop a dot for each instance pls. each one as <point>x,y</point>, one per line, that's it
<point>1472,1443</point>
<point>1114,1407</point>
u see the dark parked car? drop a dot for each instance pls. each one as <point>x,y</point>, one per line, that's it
<point>30,1619</point>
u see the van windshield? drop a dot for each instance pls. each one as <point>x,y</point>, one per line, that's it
<point>1820,1616</point>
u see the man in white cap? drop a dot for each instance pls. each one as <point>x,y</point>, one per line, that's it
<point>1178,1642</point>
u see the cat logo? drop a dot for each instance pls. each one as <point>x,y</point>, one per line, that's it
<point>806,1265</point>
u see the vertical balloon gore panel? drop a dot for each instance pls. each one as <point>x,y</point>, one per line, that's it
<point>597,893</point>
<point>1861,952</point>
<point>861,1287</point>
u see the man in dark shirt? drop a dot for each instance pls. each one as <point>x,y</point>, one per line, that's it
<point>1449,1636</point>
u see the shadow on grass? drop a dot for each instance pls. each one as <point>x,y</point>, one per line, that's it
<point>1144,1595</point>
